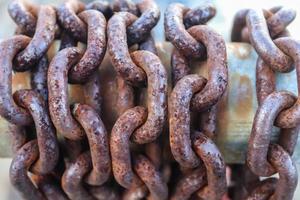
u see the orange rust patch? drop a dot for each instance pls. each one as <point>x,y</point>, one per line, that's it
<point>244,97</point>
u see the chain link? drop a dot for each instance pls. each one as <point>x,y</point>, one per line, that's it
<point>160,145</point>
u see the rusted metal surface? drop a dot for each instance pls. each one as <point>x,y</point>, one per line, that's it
<point>58,93</point>
<point>41,40</point>
<point>119,144</point>
<point>179,119</point>
<point>46,134</point>
<point>113,117</point>
<point>157,97</point>
<point>234,128</point>
<point>98,141</point>
<point>23,159</point>
<point>9,110</point>
<point>237,107</point>
<point>96,47</point>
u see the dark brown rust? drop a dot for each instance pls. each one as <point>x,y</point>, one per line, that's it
<point>92,93</point>
<point>66,40</point>
<point>8,109</point>
<point>154,153</point>
<point>72,179</point>
<point>264,190</point>
<point>208,122</point>
<point>71,149</point>
<point>17,136</point>
<point>125,6</point>
<point>98,142</point>
<point>288,176</point>
<point>214,163</point>
<point>19,167</point>
<point>239,25</point>
<point>288,139</point>
<point>180,66</point>
<point>46,135</point>
<point>276,23</point>
<point>148,45</point>
<point>199,15</point>
<point>290,118</point>
<point>96,47</point>
<point>189,184</point>
<point>119,144</point>
<point>101,6</point>
<point>41,41</point>
<point>139,30</point>
<point>58,93</point>
<point>68,19</point>
<point>265,80</point>
<point>217,67</point>
<point>178,35</point>
<point>151,177</point>
<point>265,85</point>
<point>263,44</point>
<point>49,187</point>
<point>157,96</point>
<point>179,119</point>
<point>39,77</point>
<point>118,48</point>
<point>24,14</point>
<point>125,99</point>
<point>261,131</point>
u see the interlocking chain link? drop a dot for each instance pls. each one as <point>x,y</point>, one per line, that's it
<point>192,150</point>
<point>275,108</point>
<point>160,145</point>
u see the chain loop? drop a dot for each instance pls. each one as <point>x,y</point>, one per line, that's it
<point>119,144</point>
<point>177,33</point>
<point>41,41</point>
<point>139,30</point>
<point>263,44</point>
<point>217,67</point>
<point>157,96</point>
<point>118,49</point>
<point>96,47</point>
<point>20,164</point>
<point>68,19</point>
<point>58,93</point>
<point>261,131</point>
<point>179,119</point>
<point>46,135</point>
<point>24,14</point>
<point>98,142</point>
<point>9,110</point>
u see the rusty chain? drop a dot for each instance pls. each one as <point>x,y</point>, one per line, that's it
<point>159,145</point>
<point>267,33</point>
<point>192,150</point>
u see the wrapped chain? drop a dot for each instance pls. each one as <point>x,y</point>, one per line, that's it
<point>155,145</point>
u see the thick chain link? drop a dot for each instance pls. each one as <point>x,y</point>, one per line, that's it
<point>159,145</point>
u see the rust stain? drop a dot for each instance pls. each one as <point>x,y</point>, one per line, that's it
<point>244,96</point>
<point>20,81</point>
<point>223,114</point>
<point>241,51</point>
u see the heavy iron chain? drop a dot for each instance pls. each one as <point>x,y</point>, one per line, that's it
<point>66,151</point>
<point>196,150</point>
<point>266,31</point>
